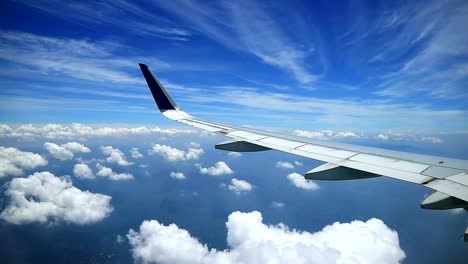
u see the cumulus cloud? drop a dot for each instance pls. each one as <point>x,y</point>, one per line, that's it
<point>239,186</point>
<point>13,161</point>
<point>111,175</point>
<point>177,175</point>
<point>382,136</point>
<point>115,156</point>
<point>300,182</point>
<point>75,130</point>
<point>234,154</point>
<point>220,168</point>
<point>43,197</point>
<point>65,151</point>
<point>174,154</point>
<point>251,241</point>
<point>83,171</point>
<point>326,134</point>
<point>136,153</point>
<point>284,165</point>
<point>297,163</point>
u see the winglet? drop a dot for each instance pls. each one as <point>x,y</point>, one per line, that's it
<point>162,98</point>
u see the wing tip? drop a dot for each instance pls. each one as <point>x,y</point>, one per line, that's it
<point>162,98</point>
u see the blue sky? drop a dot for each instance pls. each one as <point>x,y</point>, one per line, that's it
<point>90,170</point>
<point>361,66</point>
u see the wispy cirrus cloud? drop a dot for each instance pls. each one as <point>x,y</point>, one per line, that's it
<point>247,26</point>
<point>77,58</point>
<point>414,49</point>
<point>120,14</point>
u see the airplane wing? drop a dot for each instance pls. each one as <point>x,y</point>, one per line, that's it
<point>448,177</point>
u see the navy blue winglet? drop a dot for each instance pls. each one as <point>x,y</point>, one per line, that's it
<point>162,98</point>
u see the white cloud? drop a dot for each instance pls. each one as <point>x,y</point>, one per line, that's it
<point>432,139</point>
<point>65,151</point>
<point>297,163</point>
<point>76,147</point>
<point>174,154</point>
<point>43,197</point>
<point>177,175</point>
<point>284,165</point>
<point>76,130</point>
<point>194,153</point>
<point>119,239</point>
<point>326,134</point>
<point>109,173</point>
<point>382,136</point>
<point>251,241</point>
<point>457,210</point>
<point>136,153</point>
<point>14,161</point>
<point>239,186</point>
<point>83,171</point>
<point>115,156</point>
<point>220,168</point>
<point>300,182</point>
<point>194,144</point>
<point>58,152</point>
<point>277,204</point>
<point>234,154</point>
<point>248,27</point>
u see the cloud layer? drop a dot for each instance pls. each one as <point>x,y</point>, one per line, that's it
<point>251,241</point>
<point>76,130</point>
<point>43,197</point>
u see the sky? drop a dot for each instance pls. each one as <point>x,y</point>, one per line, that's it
<point>87,160</point>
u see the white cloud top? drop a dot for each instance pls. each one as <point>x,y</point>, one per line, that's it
<point>251,241</point>
<point>83,171</point>
<point>300,182</point>
<point>65,151</point>
<point>115,156</point>
<point>220,168</point>
<point>43,197</point>
<point>174,154</point>
<point>13,161</point>
<point>234,154</point>
<point>284,165</point>
<point>109,173</point>
<point>177,175</point>
<point>136,153</point>
<point>239,186</point>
